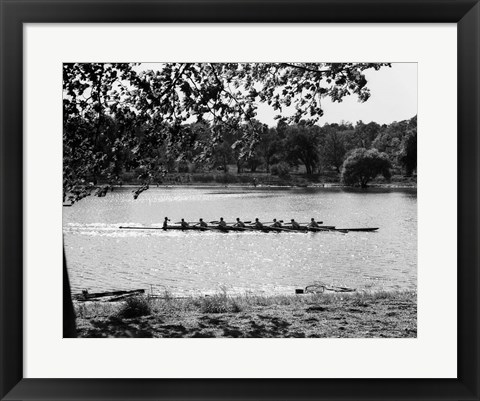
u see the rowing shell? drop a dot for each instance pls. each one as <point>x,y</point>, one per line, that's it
<point>226,229</point>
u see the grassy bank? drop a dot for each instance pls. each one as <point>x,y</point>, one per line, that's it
<point>359,315</point>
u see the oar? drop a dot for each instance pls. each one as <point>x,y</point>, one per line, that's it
<point>318,222</point>
<point>253,228</point>
<point>279,228</point>
<point>205,228</point>
<point>269,228</point>
<point>291,227</point>
<point>140,228</point>
<point>217,221</point>
<point>242,228</point>
<point>197,226</point>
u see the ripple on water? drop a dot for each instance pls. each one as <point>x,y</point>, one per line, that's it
<point>103,257</point>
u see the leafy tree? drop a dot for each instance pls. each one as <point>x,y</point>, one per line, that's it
<point>398,141</point>
<point>408,155</point>
<point>333,145</point>
<point>223,155</point>
<point>253,162</point>
<point>408,152</point>
<point>389,139</point>
<point>269,146</point>
<point>248,155</point>
<point>366,133</point>
<point>336,141</point>
<point>363,165</point>
<point>164,102</point>
<point>281,127</point>
<point>301,144</point>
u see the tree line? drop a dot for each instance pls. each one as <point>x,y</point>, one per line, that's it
<point>279,150</point>
<point>321,148</point>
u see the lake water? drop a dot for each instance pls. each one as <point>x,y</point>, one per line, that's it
<point>102,257</point>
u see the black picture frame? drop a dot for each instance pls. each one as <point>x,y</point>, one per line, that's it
<point>14,13</point>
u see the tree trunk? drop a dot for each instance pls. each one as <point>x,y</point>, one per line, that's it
<point>239,167</point>
<point>69,329</point>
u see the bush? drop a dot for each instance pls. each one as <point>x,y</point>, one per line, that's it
<point>244,179</point>
<point>135,307</point>
<point>182,166</point>
<point>226,178</point>
<point>203,178</point>
<point>364,165</point>
<point>281,169</point>
<point>194,168</point>
<point>220,303</point>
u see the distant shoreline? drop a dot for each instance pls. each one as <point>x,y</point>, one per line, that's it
<point>240,185</point>
<point>357,315</point>
<point>258,179</point>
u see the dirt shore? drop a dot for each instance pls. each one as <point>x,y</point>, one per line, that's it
<point>359,315</point>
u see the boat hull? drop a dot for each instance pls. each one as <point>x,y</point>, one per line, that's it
<point>360,229</point>
<point>242,229</point>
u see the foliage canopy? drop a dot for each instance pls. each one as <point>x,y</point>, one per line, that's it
<point>111,111</point>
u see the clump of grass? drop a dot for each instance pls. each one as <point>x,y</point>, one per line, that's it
<point>235,306</point>
<point>214,304</point>
<point>267,300</point>
<point>135,307</point>
<point>220,303</point>
<point>81,311</point>
<point>384,295</point>
<point>93,309</point>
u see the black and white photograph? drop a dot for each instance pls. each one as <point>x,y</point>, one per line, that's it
<point>240,200</point>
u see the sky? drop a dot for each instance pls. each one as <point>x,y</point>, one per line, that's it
<point>393,98</point>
